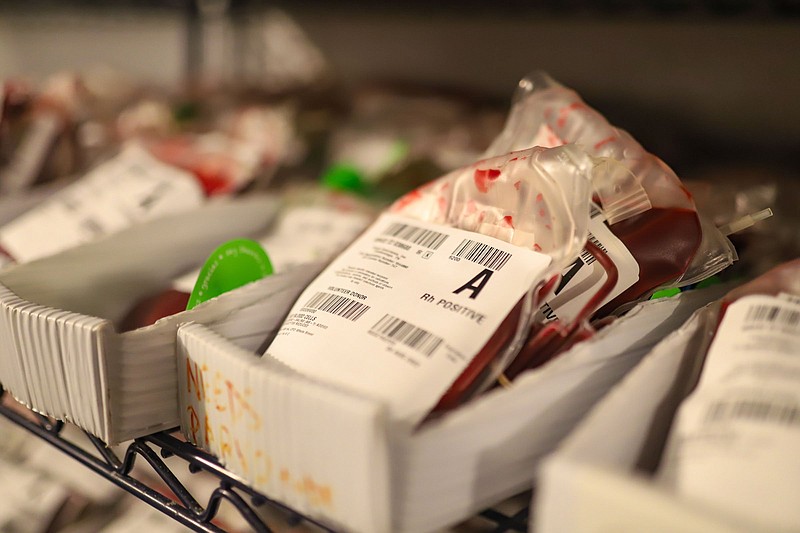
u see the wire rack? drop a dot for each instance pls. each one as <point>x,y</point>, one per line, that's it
<point>184,507</point>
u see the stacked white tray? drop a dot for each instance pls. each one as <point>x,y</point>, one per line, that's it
<point>60,353</point>
<point>335,455</point>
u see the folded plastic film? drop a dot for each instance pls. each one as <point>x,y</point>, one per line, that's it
<point>629,181</point>
<point>536,198</point>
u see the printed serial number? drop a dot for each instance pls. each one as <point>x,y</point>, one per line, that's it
<point>337,305</point>
<point>764,411</point>
<point>482,254</point>
<point>420,236</point>
<point>412,336</point>
<point>773,314</point>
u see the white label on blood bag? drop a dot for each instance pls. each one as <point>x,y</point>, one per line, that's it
<point>132,187</point>
<point>304,234</point>
<point>583,278</point>
<point>734,442</point>
<point>402,312</point>
<point>789,297</point>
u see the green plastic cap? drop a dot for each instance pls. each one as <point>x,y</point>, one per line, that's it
<point>342,177</point>
<point>235,263</point>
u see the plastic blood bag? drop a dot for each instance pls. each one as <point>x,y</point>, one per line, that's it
<point>134,186</point>
<point>220,164</point>
<point>663,240</point>
<point>645,222</point>
<point>643,202</point>
<point>148,178</point>
<point>313,225</point>
<point>443,284</point>
<point>733,444</point>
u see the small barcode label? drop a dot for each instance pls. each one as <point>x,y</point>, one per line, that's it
<point>337,305</point>
<point>586,255</point>
<point>591,238</point>
<point>483,254</point>
<point>417,338</point>
<point>760,410</point>
<point>793,298</point>
<point>773,314</point>
<point>420,236</point>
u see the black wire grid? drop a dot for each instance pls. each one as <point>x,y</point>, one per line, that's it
<point>185,508</point>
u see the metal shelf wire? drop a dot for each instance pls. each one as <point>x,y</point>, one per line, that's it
<point>184,508</point>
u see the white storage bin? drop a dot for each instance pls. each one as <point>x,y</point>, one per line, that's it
<point>60,353</point>
<point>334,455</point>
<point>591,483</point>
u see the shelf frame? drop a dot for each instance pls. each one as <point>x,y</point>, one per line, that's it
<point>184,508</point>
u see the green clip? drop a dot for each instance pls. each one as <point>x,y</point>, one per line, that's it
<point>233,264</point>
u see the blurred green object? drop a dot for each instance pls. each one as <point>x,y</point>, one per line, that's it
<point>186,112</point>
<point>672,291</point>
<point>665,293</point>
<point>231,265</point>
<point>708,282</point>
<point>343,177</point>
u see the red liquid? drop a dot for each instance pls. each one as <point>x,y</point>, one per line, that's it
<point>148,310</point>
<point>464,385</point>
<point>663,241</point>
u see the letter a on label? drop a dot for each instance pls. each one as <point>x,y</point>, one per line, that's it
<point>476,284</point>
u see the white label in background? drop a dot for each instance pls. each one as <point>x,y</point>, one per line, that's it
<point>734,444</point>
<point>29,501</point>
<point>583,278</point>
<point>402,312</point>
<point>132,187</point>
<point>307,234</point>
<point>303,235</point>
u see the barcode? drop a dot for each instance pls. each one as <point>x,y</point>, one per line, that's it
<point>337,305</point>
<point>761,410</point>
<point>597,243</point>
<point>483,254</point>
<point>417,338</point>
<point>421,236</point>
<point>773,314</point>
<point>587,257</point>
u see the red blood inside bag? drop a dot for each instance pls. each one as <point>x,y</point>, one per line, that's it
<point>503,198</point>
<point>663,241</point>
<point>148,310</point>
<point>546,113</point>
<point>643,203</point>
